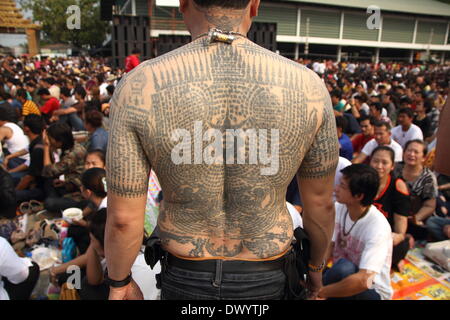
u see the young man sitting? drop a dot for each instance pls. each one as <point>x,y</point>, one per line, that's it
<point>361,248</point>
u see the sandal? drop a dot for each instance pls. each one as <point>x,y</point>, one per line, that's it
<point>25,208</point>
<point>36,206</point>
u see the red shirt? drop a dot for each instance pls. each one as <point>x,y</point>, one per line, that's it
<point>50,105</point>
<point>131,62</point>
<point>359,141</point>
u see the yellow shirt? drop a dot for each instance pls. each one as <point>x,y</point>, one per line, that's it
<point>30,107</point>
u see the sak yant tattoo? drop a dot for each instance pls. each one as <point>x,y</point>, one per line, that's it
<point>220,209</point>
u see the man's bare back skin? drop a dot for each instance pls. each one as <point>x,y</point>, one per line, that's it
<point>230,211</point>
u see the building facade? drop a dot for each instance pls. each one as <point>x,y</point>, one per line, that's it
<point>405,30</point>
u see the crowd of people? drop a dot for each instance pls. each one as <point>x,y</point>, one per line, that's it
<point>54,122</point>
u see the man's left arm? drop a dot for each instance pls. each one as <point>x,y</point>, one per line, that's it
<point>350,286</point>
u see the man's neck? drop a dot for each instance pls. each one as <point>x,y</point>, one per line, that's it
<point>406,127</point>
<point>223,19</point>
<point>96,200</point>
<point>356,211</point>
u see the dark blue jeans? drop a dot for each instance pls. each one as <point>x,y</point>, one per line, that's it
<point>73,120</point>
<point>435,226</point>
<point>181,284</point>
<point>341,270</point>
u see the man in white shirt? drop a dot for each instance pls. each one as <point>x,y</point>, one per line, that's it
<point>16,143</point>
<point>18,276</point>
<point>382,138</point>
<point>406,130</point>
<point>361,247</point>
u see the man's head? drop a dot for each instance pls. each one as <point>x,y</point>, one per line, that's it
<point>135,52</point>
<point>44,94</point>
<point>65,93</point>
<point>5,115</point>
<point>382,133</point>
<point>367,125</point>
<point>341,125</point>
<point>226,15</point>
<point>376,109</point>
<point>21,95</point>
<point>30,86</point>
<point>48,82</point>
<point>382,89</point>
<point>80,93</point>
<point>60,136</point>
<point>336,96</point>
<point>405,102</point>
<point>33,125</point>
<point>405,117</point>
<point>93,120</point>
<point>359,185</point>
<point>359,100</point>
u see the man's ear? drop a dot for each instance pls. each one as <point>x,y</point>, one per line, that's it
<point>254,7</point>
<point>183,6</point>
<point>359,197</point>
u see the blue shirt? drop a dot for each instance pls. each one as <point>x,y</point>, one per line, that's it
<point>346,150</point>
<point>98,140</point>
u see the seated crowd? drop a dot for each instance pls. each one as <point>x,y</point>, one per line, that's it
<point>54,133</point>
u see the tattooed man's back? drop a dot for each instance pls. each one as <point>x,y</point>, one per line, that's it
<point>225,125</point>
<point>223,209</point>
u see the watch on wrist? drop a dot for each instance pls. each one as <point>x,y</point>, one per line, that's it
<point>115,283</point>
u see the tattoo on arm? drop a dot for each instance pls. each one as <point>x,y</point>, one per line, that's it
<point>321,159</point>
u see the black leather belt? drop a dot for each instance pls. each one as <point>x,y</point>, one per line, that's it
<point>228,266</point>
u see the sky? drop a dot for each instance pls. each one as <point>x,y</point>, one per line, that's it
<point>11,40</point>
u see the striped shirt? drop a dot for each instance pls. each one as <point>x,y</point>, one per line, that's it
<point>30,107</point>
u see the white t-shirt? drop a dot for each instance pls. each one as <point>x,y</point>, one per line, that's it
<point>297,220</point>
<point>19,141</point>
<point>102,88</point>
<point>12,267</point>
<point>402,137</point>
<point>103,204</point>
<point>372,144</point>
<point>368,245</point>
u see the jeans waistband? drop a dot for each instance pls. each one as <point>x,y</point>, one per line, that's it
<point>227,266</point>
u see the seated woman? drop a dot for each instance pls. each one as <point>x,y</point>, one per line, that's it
<point>393,201</point>
<point>422,185</point>
<point>70,166</point>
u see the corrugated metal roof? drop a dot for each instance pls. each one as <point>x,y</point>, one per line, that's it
<point>427,7</point>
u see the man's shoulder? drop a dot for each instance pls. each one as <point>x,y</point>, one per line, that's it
<point>372,143</point>
<point>378,221</point>
<point>395,144</point>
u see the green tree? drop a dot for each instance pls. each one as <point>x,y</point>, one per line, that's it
<point>52,14</point>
